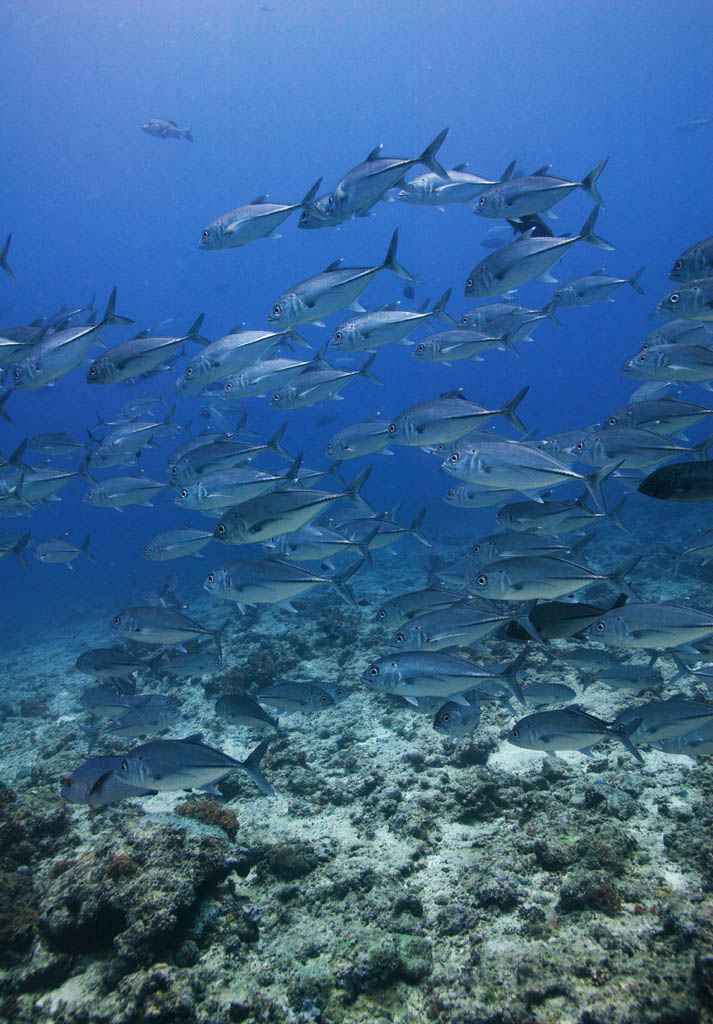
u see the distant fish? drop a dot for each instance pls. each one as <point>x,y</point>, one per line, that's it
<point>694,124</point>
<point>3,260</point>
<point>59,551</point>
<point>572,728</point>
<point>166,130</point>
<point>409,291</point>
<point>240,709</point>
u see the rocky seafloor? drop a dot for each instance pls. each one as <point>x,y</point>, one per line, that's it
<point>399,875</point>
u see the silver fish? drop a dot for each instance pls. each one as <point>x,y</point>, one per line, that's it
<point>314,385</point>
<point>664,719</point>
<point>59,551</point>
<point>123,490</point>
<point>96,783</point>
<point>435,673</point>
<point>448,418</point>
<point>696,262</point>
<point>529,577</point>
<point>140,355</point>
<point>240,709</point>
<point>176,544</point>
<point>249,581</point>
<point>651,626</point>
<point>365,438</point>
<point>595,287</point>
<point>385,326</point>
<point>457,186</point>
<point>146,624</point>
<point>232,486</point>
<point>692,300</point>
<point>572,728</point>
<point>534,193</point>
<point>685,363</point>
<point>263,376</point>
<point>258,219</point>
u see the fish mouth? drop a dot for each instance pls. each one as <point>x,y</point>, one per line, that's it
<point>658,312</point>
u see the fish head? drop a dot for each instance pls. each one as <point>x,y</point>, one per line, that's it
<point>191,495</point>
<point>478,284</point>
<point>134,770</point>
<point>381,674</point>
<point>288,311</point>
<point>495,584</point>
<point>682,302</point>
<point>125,623</point>
<point>234,386</point>
<point>458,496</point>
<point>688,267</point>
<point>284,398</point>
<point>212,236</point>
<point>346,337</point>
<point>76,787</point>
<point>565,295</point>
<point>94,495</point>
<point>427,350</point>
<point>320,212</point>
<point>232,529</point>
<point>413,191</point>
<point>453,719</point>
<point>25,373</point>
<point>609,629</point>
<point>644,364</point>
<point>195,376</point>
<point>485,551</point>
<point>490,203</point>
<point>463,464</point>
<point>218,582</point>
<point>519,735</point>
<point>410,637</point>
<point>101,371</point>
<point>402,429</point>
<point>473,320</point>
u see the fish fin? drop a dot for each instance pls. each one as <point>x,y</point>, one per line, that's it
<point>634,280</point>
<point>415,528</point>
<point>3,257</point>
<point>508,410</point>
<point>340,582</point>
<point>312,193</point>
<point>439,310</point>
<point>84,550</point>
<point>356,306</point>
<point>275,443</point>
<point>251,765</point>
<point>428,157</point>
<point>587,232</point>
<point>18,549</point>
<point>351,492</point>
<point>594,481</point>
<point>589,182</point>
<point>3,398</point>
<point>390,262</point>
<point>507,173</point>
<point>623,732</point>
<point>547,278</point>
<point>110,316</point>
<point>365,371</point>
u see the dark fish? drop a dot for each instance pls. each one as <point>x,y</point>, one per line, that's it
<point>684,481</point>
<point>161,129</point>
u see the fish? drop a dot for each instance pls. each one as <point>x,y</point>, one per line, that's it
<point>524,260</point>
<point>386,325</point>
<point>456,186</point>
<point>662,415</point>
<point>335,288</point>
<point>123,490</point>
<point>632,447</point>
<point>511,465</point>
<point>297,695</point>
<point>536,193</point>
<point>508,544</point>
<point>15,544</point>
<point>437,673</point>
<point>539,694</point>
<point>188,763</point>
<point>263,376</point>
<point>97,784</point>
<point>377,532</point>
<point>229,487</point>
<point>683,481</point>
<point>623,677</point>
<point>201,663</point>
<point>595,287</point>
<point>59,551</point>
<point>367,438</point>
<point>696,262</point>
<point>651,626</point>
<point>315,385</point>
<point>146,624</point>
<point>448,418</point>
<point>55,444</point>
<point>472,496</point>
<point>284,511</point>
<point>252,581</point>
<point>149,713</point>
<point>400,609</point>
<point>110,663</point>
<point>449,346</point>
<point>217,455</point>
<point>677,363</point>
<point>363,186</point>
<point>458,720</point>
<point>315,542</point>
<point>140,355</point>
<point>456,625</point>
<point>678,332</point>
<point>663,719</point>
<point>559,619</point>
<point>698,743</point>
<point>240,709</point>
<point>161,129</point>
<point>532,577</point>
<point>226,356</point>
<point>571,728</point>
<point>4,265</point>
<point>176,544</point>
<point>691,300</point>
<point>107,701</point>
<point>258,219</point>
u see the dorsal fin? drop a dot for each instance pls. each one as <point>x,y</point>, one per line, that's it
<point>456,393</point>
<point>335,265</point>
<point>598,273</point>
<point>374,155</point>
<point>541,170</point>
<point>141,334</point>
<point>258,199</point>
<point>460,167</point>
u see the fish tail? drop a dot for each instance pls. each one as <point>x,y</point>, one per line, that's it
<point>594,481</point>
<point>510,677</point>
<point>275,443</point>
<point>614,515</point>
<point>194,331</point>
<point>415,528</point>
<point>634,280</point>
<point>339,580</point>
<point>364,546</point>
<point>334,471</point>
<point>508,341</point>
<point>217,638</point>
<point>549,312</point>
<point>428,157</point>
<point>390,263</point>
<point>623,732</point>
<point>83,469</point>
<point>3,398</point>
<point>187,134</point>
<point>365,370</point>
<point>110,316</point>
<point>587,232</point>
<point>508,410</point>
<point>85,550</point>
<point>3,257</point>
<point>351,492</point>
<point>439,309</point>
<point>241,428</point>
<point>311,194</point>
<point>617,577</point>
<point>251,766</point>
<point>18,550</point>
<point>292,471</point>
<point>589,183</point>
<point>682,669</point>
<point>701,448</point>
<point>523,619</point>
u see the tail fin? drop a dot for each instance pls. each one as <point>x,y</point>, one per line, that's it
<point>84,550</point>
<point>508,410</point>
<point>18,549</point>
<point>617,576</point>
<point>251,766</point>
<point>16,458</point>
<point>110,317</point>
<point>194,331</point>
<point>594,482</point>
<point>508,341</point>
<point>339,580</point>
<point>3,257</point>
<point>509,676</point>
<point>292,471</point>
<point>525,622</point>
<point>187,133</point>
<point>683,670</point>
<point>549,312</point>
<point>614,514</point>
<point>390,263</point>
<point>217,637</point>
<point>241,428</point>
<point>700,449</point>
<point>168,421</point>
<point>275,444</point>
<point>439,309</point>
<point>415,528</point>
<point>428,157</point>
<point>634,280</point>
<point>364,546</point>
<point>589,184</point>
<point>365,370</point>
<point>3,398</point>
<point>623,732</point>
<point>351,492</point>
<point>587,231</point>
<point>311,194</point>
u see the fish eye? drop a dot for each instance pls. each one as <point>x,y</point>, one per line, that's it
<point>482,580</point>
<point>189,371</point>
<point>116,620</point>
<point>338,336</point>
<point>677,265</point>
<point>446,718</point>
<point>221,529</point>
<point>612,421</point>
<point>580,445</point>
<point>124,766</point>
<point>183,493</point>
<point>451,493</point>
<point>174,471</point>
<point>206,233</point>
<point>399,638</point>
<point>92,371</point>
<point>146,549</point>
<point>454,457</point>
<point>421,347</point>
<point>599,627</point>
<point>211,577</point>
<point>373,671</point>
<point>329,447</point>
<point>90,494</point>
<point>464,319</point>
<point>476,549</point>
<point>392,428</point>
<point>675,297</point>
<point>642,357</point>
<point>481,201</point>
<point>67,782</point>
<point>381,614</point>
<point>516,734</point>
<point>323,698</point>
<point>276,397</point>
<point>277,309</point>
<point>229,386</point>
<point>469,283</point>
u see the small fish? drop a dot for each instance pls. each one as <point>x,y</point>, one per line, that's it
<point>240,709</point>
<point>150,625</point>
<point>188,764</point>
<point>398,610</point>
<point>59,551</point>
<point>258,219</point>
<point>663,719</point>
<point>455,186</point>
<point>539,694</point>
<point>110,663</point>
<point>448,418</point>
<point>315,385</point>
<point>297,695</point>
<point>387,325</point>
<point>651,626</point>
<point>251,581</point>
<point>140,355</point>
<point>202,663</point>
<point>367,438</point>
<point>123,490</point>
<point>413,674</point>
<point>571,728</point>
<point>522,197</point>
<point>595,287</point>
<point>176,544</point>
<point>161,129</point>
<point>698,743</point>
<point>457,720</point>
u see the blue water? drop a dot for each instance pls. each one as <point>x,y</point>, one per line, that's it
<point>278,94</point>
